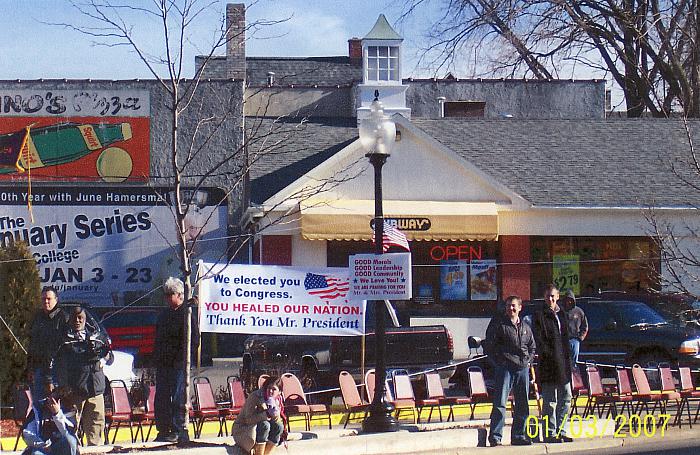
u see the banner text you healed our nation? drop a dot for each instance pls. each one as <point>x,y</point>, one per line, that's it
<point>278,300</point>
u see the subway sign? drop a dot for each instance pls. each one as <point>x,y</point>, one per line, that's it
<point>413,223</point>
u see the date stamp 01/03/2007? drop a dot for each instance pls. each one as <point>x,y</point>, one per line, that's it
<point>622,426</point>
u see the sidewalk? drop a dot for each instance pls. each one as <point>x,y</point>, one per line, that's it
<point>450,438</point>
<point>461,437</point>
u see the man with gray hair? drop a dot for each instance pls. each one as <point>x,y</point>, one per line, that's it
<point>169,359</point>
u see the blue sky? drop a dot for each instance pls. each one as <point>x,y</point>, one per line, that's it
<point>33,49</point>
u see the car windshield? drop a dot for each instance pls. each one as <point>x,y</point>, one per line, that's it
<point>636,314</point>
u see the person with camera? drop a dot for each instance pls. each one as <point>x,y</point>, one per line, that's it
<point>45,335</point>
<point>260,425</point>
<point>80,359</point>
<point>50,428</point>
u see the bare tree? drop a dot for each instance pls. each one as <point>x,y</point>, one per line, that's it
<point>194,127</point>
<point>677,236</point>
<point>649,47</point>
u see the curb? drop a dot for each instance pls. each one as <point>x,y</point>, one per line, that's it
<point>446,438</point>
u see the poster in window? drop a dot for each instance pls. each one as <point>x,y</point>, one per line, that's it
<point>483,280</point>
<point>566,273</point>
<point>424,296</point>
<point>453,280</point>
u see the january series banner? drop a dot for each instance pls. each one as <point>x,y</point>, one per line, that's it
<point>277,300</point>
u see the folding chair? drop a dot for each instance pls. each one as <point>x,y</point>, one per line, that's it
<point>205,407</point>
<point>578,389</point>
<point>624,388</point>
<point>261,380</point>
<point>21,409</point>
<point>435,396</point>
<point>688,392</point>
<point>351,397</point>
<point>644,396</point>
<point>295,402</point>
<point>121,411</point>
<point>477,389</point>
<point>149,415</point>
<point>236,398</point>
<point>599,400</point>
<point>404,398</point>
<point>668,392</point>
<point>369,386</point>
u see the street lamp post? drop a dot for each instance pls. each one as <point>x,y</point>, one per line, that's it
<point>377,136</point>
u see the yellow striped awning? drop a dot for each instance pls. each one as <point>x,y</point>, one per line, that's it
<point>419,220</point>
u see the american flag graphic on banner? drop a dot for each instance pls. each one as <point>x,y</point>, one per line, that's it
<point>326,287</point>
<point>393,237</point>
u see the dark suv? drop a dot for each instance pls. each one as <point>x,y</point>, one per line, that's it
<point>628,331</point>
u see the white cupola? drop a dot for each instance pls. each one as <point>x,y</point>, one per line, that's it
<point>381,70</point>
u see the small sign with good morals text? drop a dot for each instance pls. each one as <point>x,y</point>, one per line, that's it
<point>380,276</point>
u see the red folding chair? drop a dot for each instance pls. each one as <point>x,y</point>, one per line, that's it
<point>404,399</point>
<point>261,379</point>
<point>435,396</point>
<point>295,402</point>
<point>121,412</point>
<point>477,388</point>
<point>599,399</point>
<point>148,416</point>
<point>688,393</point>
<point>21,409</point>
<point>369,387</point>
<point>644,396</point>
<point>578,389</point>
<point>236,398</point>
<point>668,393</point>
<point>205,407</point>
<point>351,397</point>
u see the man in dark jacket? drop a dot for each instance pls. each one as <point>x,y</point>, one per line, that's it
<point>550,327</point>
<point>169,358</point>
<point>45,336</point>
<point>510,346</point>
<point>578,325</point>
<point>80,360</point>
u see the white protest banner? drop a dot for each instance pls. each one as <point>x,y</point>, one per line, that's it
<point>380,276</point>
<point>276,300</point>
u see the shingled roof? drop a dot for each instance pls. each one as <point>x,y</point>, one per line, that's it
<point>552,163</point>
<point>579,163</point>
<point>284,150</point>
<point>303,71</point>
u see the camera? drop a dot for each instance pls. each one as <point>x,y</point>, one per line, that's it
<point>57,394</point>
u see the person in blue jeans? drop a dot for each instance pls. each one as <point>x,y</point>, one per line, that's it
<point>550,326</point>
<point>510,346</point>
<point>48,326</point>
<point>169,358</point>
<point>578,325</point>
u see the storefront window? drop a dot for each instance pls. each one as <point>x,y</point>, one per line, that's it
<point>588,265</point>
<point>457,279</point>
